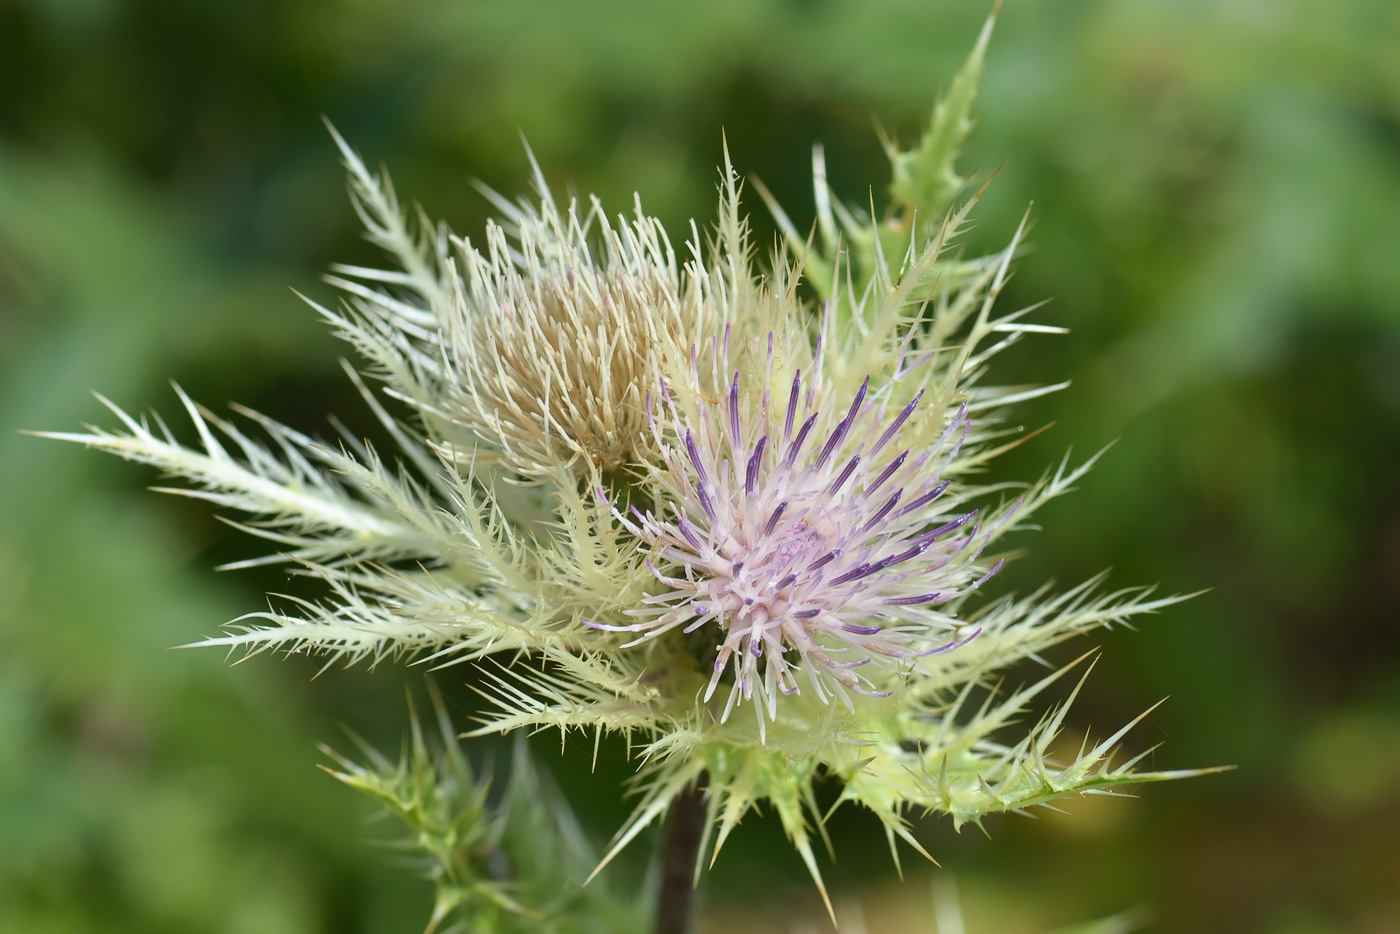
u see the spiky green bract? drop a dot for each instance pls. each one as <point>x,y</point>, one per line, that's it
<point>924,181</point>
<point>508,859</point>
<point>521,523</point>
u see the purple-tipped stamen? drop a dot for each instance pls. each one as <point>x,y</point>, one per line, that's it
<point>684,528</point>
<point>751,475</point>
<point>884,511</point>
<point>695,460</point>
<point>906,370</point>
<point>986,577</point>
<point>924,500</point>
<point>797,444</point>
<point>948,646</point>
<point>886,473</point>
<point>903,556</point>
<point>845,474</point>
<point>705,503</point>
<point>773,519</point>
<point>792,407</point>
<point>911,601</point>
<point>958,552</point>
<point>897,423</point>
<point>840,433</point>
<point>733,404</point>
<point>855,573</point>
<point>945,529</point>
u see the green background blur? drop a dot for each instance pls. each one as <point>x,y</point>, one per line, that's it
<point>1216,190</point>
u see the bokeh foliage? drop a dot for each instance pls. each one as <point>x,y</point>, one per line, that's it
<point>1215,190</point>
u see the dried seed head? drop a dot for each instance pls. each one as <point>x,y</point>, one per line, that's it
<point>562,325</point>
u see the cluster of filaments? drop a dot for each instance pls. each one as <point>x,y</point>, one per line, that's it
<point>809,538</point>
<point>550,347</point>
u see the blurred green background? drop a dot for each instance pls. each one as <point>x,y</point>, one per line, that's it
<point>1216,188</point>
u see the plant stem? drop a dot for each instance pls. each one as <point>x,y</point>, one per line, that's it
<point>684,824</point>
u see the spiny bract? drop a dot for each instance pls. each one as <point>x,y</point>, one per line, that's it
<point>660,489</point>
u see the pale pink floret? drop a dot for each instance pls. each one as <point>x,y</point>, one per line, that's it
<point>811,547</point>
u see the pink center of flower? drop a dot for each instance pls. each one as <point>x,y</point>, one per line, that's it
<point>809,548</point>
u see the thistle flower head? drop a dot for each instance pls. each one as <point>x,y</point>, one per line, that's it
<point>736,501</point>
<point>557,329</point>
<point>808,537</point>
